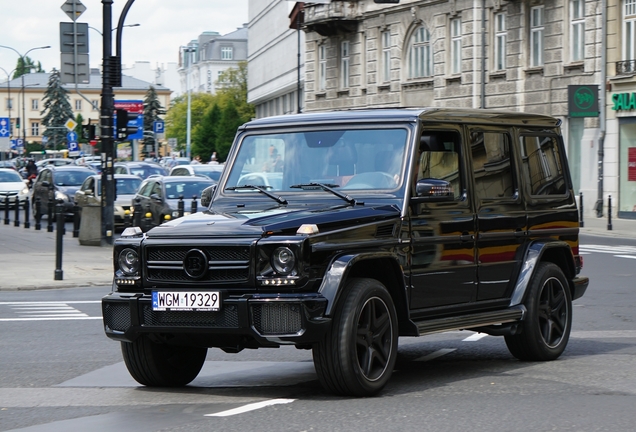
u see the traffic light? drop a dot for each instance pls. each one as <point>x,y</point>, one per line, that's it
<point>17,123</point>
<point>88,132</point>
<point>123,130</point>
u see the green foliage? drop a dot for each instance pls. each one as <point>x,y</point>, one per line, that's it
<point>204,133</point>
<point>176,117</point>
<point>78,129</point>
<point>212,130</point>
<point>57,110</point>
<point>26,65</point>
<point>152,111</point>
<point>226,129</point>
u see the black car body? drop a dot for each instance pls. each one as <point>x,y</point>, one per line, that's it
<point>59,183</point>
<point>386,223</point>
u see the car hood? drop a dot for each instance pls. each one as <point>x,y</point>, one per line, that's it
<point>12,186</point>
<point>68,190</point>
<point>255,223</point>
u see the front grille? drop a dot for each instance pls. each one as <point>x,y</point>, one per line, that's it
<point>117,316</point>
<point>227,317</point>
<point>277,318</point>
<point>225,263</point>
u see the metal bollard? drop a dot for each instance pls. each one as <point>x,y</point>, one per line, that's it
<point>38,214</point>
<point>76,220</point>
<point>581,223</point>
<point>27,219</point>
<point>193,208</point>
<point>59,213</point>
<point>6,209</point>
<point>16,222</point>
<point>126,218</point>
<point>137,213</point>
<point>50,208</point>
<point>180,206</point>
<point>609,213</point>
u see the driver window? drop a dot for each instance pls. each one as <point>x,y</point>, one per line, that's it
<point>439,158</point>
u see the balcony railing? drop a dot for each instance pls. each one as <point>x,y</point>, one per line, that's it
<point>625,67</point>
<point>330,19</point>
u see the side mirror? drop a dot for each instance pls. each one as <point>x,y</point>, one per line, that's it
<point>434,190</point>
<point>155,197</point>
<point>206,196</point>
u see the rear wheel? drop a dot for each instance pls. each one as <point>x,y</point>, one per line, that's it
<point>160,365</point>
<point>357,356</point>
<point>546,330</point>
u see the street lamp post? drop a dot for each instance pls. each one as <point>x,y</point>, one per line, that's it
<point>22,57</point>
<point>10,103</point>
<point>188,50</point>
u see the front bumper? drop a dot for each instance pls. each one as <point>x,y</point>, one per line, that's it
<point>248,321</point>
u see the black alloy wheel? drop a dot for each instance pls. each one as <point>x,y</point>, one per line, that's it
<point>357,355</point>
<point>546,330</point>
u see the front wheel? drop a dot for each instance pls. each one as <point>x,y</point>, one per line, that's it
<point>155,364</point>
<point>357,355</point>
<point>546,329</point>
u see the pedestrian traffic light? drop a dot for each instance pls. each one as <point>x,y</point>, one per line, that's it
<point>123,118</point>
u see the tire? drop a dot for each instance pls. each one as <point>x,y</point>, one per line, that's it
<point>160,365</point>
<point>357,355</point>
<point>546,330</point>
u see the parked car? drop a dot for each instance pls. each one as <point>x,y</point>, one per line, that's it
<point>387,223</point>
<point>64,180</point>
<point>142,170</point>
<point>12,187</point>
<point>126,186</point>
<point>160,195</point>
<point>212,171</point>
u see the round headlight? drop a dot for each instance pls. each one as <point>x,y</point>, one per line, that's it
<point>283,260</point>
<point>129,261</point>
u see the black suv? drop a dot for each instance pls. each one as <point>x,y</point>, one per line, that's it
<point>339,232</point>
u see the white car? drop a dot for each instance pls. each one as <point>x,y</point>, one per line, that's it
<point>12,186</point>
<point>212,171</point>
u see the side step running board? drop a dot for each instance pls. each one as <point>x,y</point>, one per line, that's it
<point>470,321</point>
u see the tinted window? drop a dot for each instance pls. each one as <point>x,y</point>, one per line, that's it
<point>71,178</point>
<point>188,189</point>
<point>491,164</point>
<point>542,163</point>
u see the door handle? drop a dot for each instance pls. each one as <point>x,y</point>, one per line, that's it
<point>519,233</point>
<point>465,237</point>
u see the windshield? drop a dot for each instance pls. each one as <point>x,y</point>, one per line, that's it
<point>356,159</point>
<point>10,177</point>
<point>146,171</point>
<point>207,170</point>
<point>123,186</point>
<point>71,178</point>
<point>187,189</point>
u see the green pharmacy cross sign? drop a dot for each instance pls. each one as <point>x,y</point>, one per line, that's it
<point>583,101</point>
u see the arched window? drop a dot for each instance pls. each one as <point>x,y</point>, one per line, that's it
<point>420,54</point>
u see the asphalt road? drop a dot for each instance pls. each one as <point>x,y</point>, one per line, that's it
<point>60,373</point>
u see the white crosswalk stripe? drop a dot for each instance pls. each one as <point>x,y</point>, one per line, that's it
<point>615,250</point>
<point>47,310</point>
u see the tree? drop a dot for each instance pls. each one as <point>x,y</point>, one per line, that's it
<point>78,129</point>
<point>226,129</point>
<point>176,116</point>
<point>152,111</point>
<point>25,65</point>
<point>232,85</point>
<point>204,133</point>
<point>57,110</point>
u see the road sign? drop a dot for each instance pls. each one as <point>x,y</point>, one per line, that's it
<point>71,136</point>
<point>133,107</point>
<point>157,127</point>
<point>45,139</point>
<point>70,124</point>
<point>73,146</point>
<point>73,8</point>
<point>5,127</point>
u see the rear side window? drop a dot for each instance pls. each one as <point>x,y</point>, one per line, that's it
<point>492,164</point>
<point>543,165</point>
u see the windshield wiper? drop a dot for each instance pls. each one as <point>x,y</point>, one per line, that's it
<point>329,188</point>
<point>262,189</point>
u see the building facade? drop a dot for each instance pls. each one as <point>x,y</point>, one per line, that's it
<point>276,63</point>
<point>201,61</point>
<point>526,55</point>
<point>85,102</point>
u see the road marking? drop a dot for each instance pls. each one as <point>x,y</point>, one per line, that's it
<point>57,318</point>
<point>475,337</point>
<point>47,310</point>
<point>608,249</point>
<point>625,256</point>
<point>49,302</point>
<point>436,354</point>
<point>250,407</point>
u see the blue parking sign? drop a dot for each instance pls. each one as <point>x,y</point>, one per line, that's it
<point>158,127</point>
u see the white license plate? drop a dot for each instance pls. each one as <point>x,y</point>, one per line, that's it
<point>186,300</point>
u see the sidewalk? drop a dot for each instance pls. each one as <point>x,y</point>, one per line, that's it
<point>28,257</point>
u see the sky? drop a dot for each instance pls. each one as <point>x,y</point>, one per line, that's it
<point>164,25</point>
